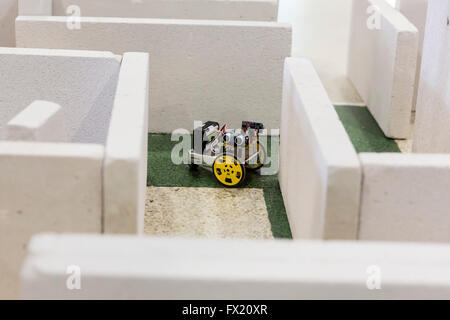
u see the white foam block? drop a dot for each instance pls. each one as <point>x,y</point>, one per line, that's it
<point>83,83</point>
<point>35,7</point>
<point>45,187</point>
<point>199,71</point>
<point>41,121</point>
<point>319,169</point>
<point>257,10</point>
<point>152,268</point>
<point>416,12</point>
<point>382,63</point>
<point>125,171</point>
<point>8,14</point>
<point>431,132</point>
<point>405,197</point>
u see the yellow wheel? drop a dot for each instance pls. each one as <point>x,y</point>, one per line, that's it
<point>261,157</point>
<point>228,170</point>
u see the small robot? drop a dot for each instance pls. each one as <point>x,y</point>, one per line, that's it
<point>228,153</point>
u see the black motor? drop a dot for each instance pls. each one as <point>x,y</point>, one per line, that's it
<point>202,134</point>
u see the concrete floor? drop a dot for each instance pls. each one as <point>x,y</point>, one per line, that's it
<point>214,213</point>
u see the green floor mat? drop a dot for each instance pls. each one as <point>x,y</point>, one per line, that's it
<point>363,130</point>
<point>162,172</point>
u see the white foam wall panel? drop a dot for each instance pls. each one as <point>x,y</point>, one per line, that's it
<point>41,121</point>
<point>125,172</point>
<point>82,83</point>
<point>152,268</point>
<point>201,70</point>
<point>382,65</point>
<point>405,197</point>
<point>45,187</point>
<point>416,12</point>
<point>319,169</point>
<point>67,187</point>
<point>258,10</point>
<point>431,132</point>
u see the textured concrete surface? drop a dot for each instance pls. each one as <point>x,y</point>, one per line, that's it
<point>207,213</point>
